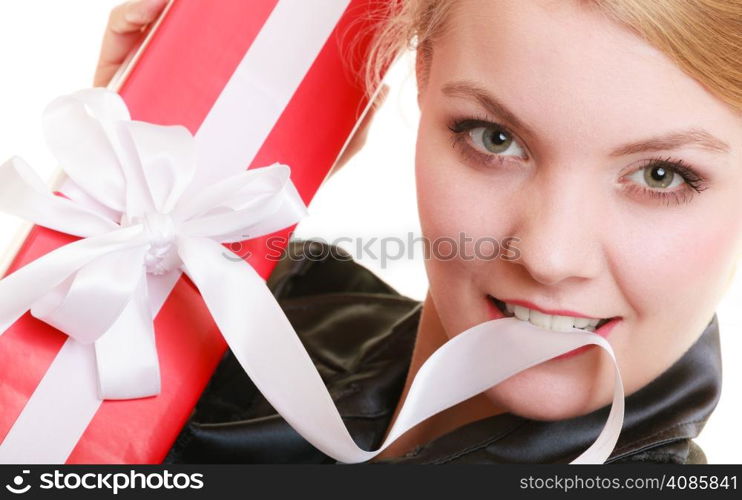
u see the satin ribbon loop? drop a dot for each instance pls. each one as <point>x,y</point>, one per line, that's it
<point>95,290</point>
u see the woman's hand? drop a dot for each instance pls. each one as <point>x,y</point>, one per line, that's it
<point>126,23</point>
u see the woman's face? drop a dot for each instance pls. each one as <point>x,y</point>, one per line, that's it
<point>540,121</point>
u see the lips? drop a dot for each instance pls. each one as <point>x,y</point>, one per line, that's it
<point>496,310</point>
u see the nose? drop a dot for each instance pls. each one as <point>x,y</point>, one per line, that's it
<point>558,229</point>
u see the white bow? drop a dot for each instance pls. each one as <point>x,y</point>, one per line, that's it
<point>95,289</point>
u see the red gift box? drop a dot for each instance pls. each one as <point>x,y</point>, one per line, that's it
<point>256,83</point>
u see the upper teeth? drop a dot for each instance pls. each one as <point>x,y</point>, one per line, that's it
<point>551,322</point>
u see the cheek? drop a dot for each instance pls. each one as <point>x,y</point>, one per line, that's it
<point>673,272</point>
<point>455,201</point>
<point>680,265</point>
<point>450,220</point>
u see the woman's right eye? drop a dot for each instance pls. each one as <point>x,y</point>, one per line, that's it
<point>488,139</point>
<point>493,140</point>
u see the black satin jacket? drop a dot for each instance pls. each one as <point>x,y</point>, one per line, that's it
<point>360,334</point>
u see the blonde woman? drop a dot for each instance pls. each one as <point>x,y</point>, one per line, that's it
<point>603,139</point>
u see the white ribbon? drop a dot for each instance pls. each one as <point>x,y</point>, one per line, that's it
<point>96,289</point>
<point>138,171</point>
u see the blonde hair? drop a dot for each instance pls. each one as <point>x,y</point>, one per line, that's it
<point>703,37</point>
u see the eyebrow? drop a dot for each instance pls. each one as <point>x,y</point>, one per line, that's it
<point>674,140</point>
<point>471,90</point>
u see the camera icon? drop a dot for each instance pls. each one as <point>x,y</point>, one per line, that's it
<point>19,489</point>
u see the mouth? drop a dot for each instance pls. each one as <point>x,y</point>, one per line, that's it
<point>554,322</point>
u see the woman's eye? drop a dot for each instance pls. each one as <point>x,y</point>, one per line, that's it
<point>666,179</point>
<point>494,140</point>
<point>485,142</point>
<point>657,177</point>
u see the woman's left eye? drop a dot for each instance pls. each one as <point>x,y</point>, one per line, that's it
<point>657,176</point>
<point>666,179</point>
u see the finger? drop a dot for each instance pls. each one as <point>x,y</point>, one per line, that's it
<point>125,25</point>
<point>132,15</point>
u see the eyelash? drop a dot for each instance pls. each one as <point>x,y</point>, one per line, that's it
<point>694,182</point>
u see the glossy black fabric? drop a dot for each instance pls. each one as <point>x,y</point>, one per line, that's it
<point>360,334</point>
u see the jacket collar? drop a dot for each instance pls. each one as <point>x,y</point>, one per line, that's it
<point>675,406</point>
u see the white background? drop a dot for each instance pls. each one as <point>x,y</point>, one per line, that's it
<point>49,48</point>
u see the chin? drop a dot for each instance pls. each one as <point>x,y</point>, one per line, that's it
<point>557,389</point>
